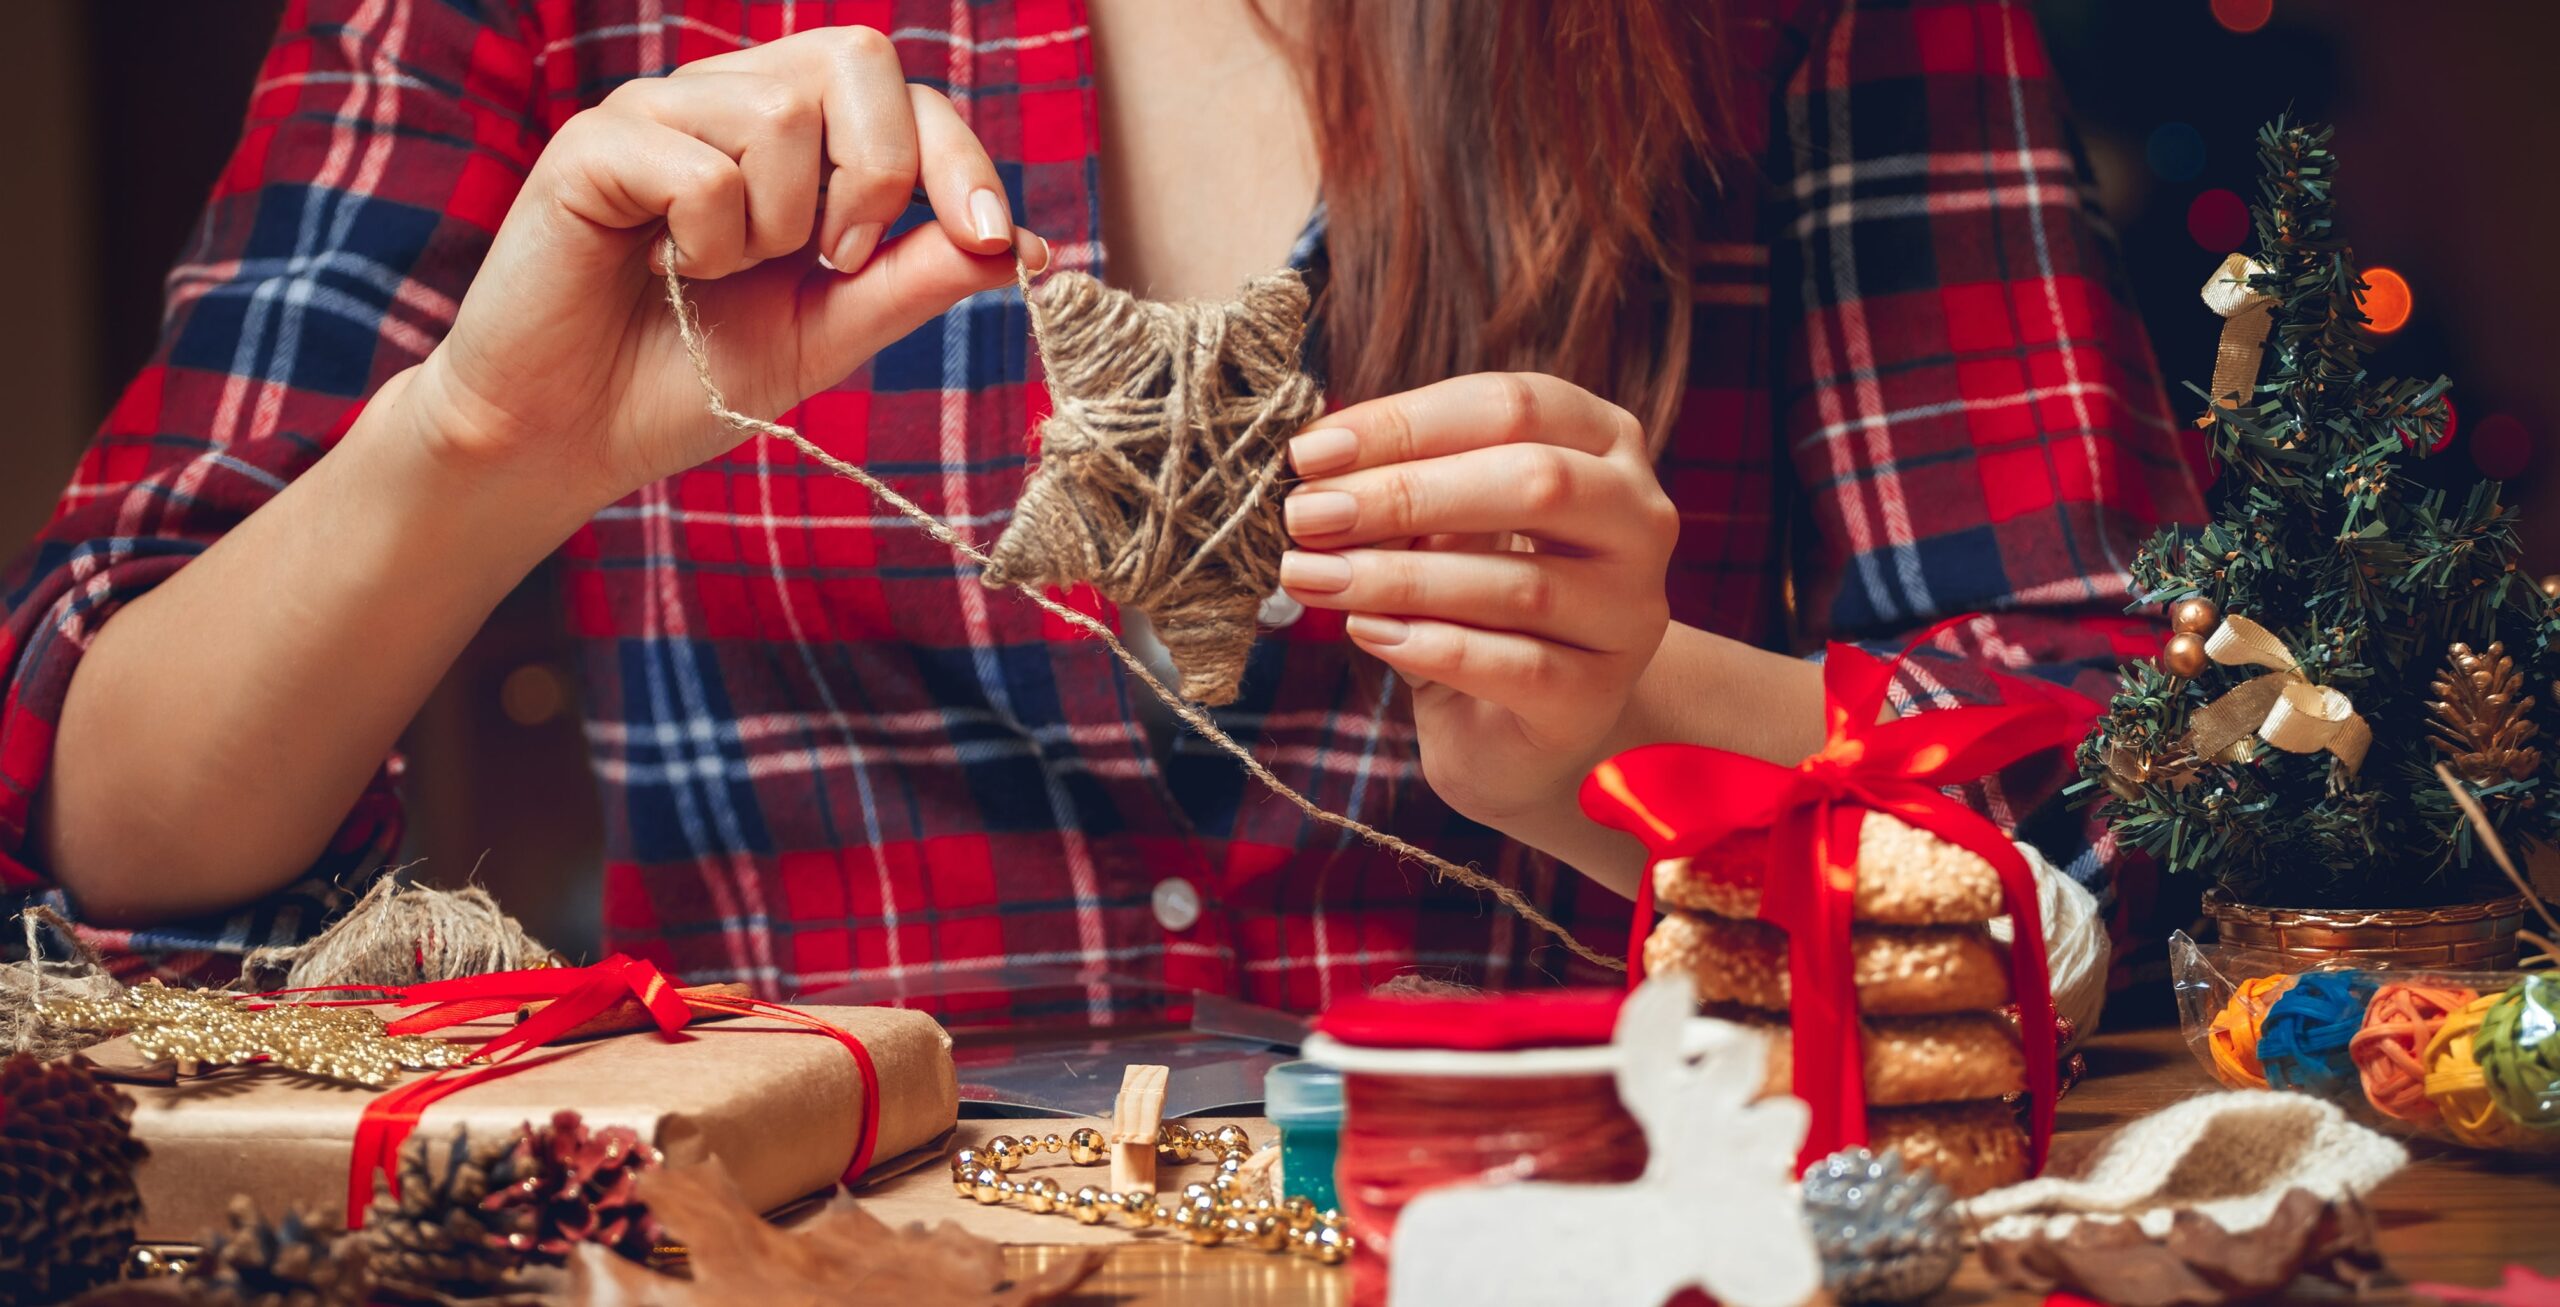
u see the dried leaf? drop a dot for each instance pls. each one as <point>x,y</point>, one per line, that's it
<point>843,1254</point>
<point>2196,1263</point>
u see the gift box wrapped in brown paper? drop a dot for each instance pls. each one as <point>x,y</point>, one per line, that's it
<point>780,1106</point>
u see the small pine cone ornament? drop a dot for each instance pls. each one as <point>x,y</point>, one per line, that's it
<point>577,1185</point>
<point>440,1237</point>
<point>1886,1234</point>
<point>67,1201</point>
<point>299,1261</point>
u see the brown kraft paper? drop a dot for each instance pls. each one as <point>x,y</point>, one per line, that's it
<point>779,1105</point>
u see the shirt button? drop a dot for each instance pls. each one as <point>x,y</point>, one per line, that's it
<point>1280,609</point>
<point>1177,903</point>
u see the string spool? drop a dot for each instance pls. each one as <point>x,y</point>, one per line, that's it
<point>2459,1088</point>
<point>2233,1037</point>
<point>2302,1042</point>
<point>2518,1049</point>
<point>2398,1022</point>
<point>1465,1091</point>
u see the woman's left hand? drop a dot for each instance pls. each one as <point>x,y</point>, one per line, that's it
<point>1500,540</point>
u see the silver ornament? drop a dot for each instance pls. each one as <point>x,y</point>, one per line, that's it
<point>1886,1234</point>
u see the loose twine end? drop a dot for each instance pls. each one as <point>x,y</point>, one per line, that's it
<point>696,348</point>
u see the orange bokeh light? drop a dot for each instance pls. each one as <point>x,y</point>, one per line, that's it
<point>2243,15</point>
<point>2385,300</point>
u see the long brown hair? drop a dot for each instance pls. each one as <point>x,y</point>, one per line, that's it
<point>1509,187</point>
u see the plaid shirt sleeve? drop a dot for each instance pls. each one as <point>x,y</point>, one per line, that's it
<point>383,143</point>
<point>1970,404</point>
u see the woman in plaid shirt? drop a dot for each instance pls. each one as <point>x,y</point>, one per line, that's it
<point>1796,322</point>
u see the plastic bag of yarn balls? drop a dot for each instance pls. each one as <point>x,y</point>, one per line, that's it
<point>2469,1057</point>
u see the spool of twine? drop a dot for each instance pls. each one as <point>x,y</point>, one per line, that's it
<point>2302,1042</point>
<point>2398,1022</point>
<point>2518,1048</point>
<point>2233,1037</point>
<point>2461,1091</point>
<point>1405,1135</point>
<point>400,935</point>
<point>697,349</point>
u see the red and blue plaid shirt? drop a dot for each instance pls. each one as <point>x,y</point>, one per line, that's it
<point>830,756</point>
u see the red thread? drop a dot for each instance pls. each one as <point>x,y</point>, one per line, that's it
<point>1405,1135</point>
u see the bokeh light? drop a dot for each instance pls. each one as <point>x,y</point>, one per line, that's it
<point>2386,299</point>
<point>2219,221</point>
<point>2501,446</point>
<point>2175,151</point>
<point>2243,15</point>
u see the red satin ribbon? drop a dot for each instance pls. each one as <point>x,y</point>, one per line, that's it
<point>573,994</point>
<point>1680,799</point>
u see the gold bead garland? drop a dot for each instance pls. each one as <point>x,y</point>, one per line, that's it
<point>1208,1214</point>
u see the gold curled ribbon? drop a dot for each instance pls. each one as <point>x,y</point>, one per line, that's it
<point>2245,317</point>
<point>2282,707</point>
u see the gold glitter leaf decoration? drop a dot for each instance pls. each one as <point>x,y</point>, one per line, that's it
<point>2481,716</point>
<point>201,1028</point>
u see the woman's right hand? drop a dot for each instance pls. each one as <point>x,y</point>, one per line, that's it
<point>563,363</point>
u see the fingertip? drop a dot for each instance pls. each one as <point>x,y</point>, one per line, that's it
<point>1032,251</point>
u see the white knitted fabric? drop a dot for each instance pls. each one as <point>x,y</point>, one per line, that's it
<point>2075,943</point>
<point>2230,1157</point>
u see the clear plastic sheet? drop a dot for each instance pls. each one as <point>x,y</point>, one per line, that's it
<point>2468,1057</point>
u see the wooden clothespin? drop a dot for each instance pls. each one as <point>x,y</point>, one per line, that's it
<point>1137,1117</point>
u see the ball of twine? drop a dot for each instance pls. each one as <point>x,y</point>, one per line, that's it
<point>2518,1048</point>
<point>2398,1022</point>
<point>2302,1041</point>
<point>2460,1090</point>
<point>2233,1037</point>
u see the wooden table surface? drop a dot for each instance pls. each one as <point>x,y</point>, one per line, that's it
<point>2451,1217</point>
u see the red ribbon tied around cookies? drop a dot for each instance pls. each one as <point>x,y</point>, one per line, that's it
<point>572,996</point>
<point>1680,799</point>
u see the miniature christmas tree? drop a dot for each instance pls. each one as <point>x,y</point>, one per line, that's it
<point>2387,607</point>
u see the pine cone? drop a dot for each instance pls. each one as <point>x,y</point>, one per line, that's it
<point>67,1201</point>
<point>439,1237</point>
<point>1885,1234</point>
<point>579,1185</point>
<point>298,1261</point>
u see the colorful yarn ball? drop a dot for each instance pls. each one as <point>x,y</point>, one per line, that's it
<point>2460,1091</point>
<point>2302,1040</point>
<point>2233,1037</point>
<point>2397,1025</point>
<point>2518,1049</point>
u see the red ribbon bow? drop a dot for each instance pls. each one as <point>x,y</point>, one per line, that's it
<point>1681,799</point>
<point>573,996</point>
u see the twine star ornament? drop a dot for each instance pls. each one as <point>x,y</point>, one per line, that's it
<point>1161,461</point>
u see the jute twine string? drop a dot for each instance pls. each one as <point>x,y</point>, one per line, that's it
<point>1161,461</point>
<point>26,987</point>
<point>689,329</point>
<point>400,934</point>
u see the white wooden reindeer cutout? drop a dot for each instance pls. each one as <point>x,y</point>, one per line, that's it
<point>1715,1208</point>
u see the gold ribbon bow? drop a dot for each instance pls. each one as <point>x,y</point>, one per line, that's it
<point>2282,707</point>
<point>2245,318</point>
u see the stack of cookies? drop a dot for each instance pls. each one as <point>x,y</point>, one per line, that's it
<point>1940,1057</point>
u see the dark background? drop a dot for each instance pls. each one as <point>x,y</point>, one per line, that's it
<point>123,111</point>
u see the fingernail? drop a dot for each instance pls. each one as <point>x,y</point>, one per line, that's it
<point>855,246</point>
<point>1320,512</point>
<point>1317,573</point>
<point>1376,630</point>
<point>1323,450</point>
<point>987,216</point>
